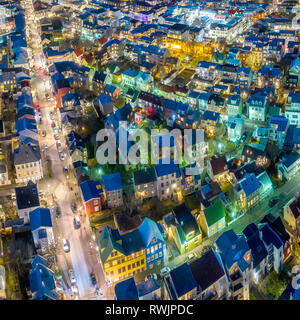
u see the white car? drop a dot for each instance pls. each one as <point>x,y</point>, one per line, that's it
<point>76,222</point>
<point>191,257</point>
<point>109,283</point>
<point>59,149</point>
<point>72,277</point>
<point>45,146</point>
<point>61,157</point>
<point>165,271</point>
<point>66,245</point>
<point>74,291</point>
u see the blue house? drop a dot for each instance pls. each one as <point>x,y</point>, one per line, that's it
<point>42,281</point>
<point>236,256</point>
<point>244,77</point>
<point>41,228</point>
<point>180,283</point>
<point>278,126</point>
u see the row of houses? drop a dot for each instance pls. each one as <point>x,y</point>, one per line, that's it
<point>226,271</point>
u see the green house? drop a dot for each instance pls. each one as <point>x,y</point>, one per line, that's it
<point>212,218</point>
<point>218,57</point>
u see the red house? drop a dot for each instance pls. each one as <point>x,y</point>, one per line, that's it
<point>92,196</point>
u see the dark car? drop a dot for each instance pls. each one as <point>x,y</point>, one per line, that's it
<point>93,278</point>
<point>244,137</point>
<point>58,212</point>
<point>74,207</point>
<point>273,201</point>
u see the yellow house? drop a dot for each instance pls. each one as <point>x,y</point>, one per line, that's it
<point>123,256</point>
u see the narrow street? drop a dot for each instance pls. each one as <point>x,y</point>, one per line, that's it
<point>81,258</point>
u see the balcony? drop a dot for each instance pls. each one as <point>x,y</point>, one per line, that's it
<point>236,278</point>
<point>237,290</point>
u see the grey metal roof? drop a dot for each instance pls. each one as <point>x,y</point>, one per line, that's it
<point>26,154</point>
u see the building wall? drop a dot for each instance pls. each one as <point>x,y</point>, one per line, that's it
<point>217,227</point>
<point>114,198</point>
<point>128,265</point>
<point>92,206</point>
<point>144,191</point>
<point>29,171</point>
<point>165,186</point>
<point>188,245</point>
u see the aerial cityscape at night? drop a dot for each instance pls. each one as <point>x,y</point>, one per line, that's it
<point>149,150</point>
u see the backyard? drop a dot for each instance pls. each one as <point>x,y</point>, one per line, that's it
<point>274,284</point>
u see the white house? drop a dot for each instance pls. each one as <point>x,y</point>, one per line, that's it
<point>27,199</point>
<point>289,166</point>
<point>28,164</point>
<point>41,228</point>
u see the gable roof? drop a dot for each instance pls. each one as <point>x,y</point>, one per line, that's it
<point>143,176</point>
<point>214,213</point>
<point>27,196</point>
<point>111,239</point>
<point>126,290</point>
<point>40,217</point>
<point>218,165</point>
<point>42,282</point>
<point>26,153</point>
<point>90,189</point>
<point>207,270</point>
<point>183,281</point>
<point>112,182</point>
<point>250,184</point>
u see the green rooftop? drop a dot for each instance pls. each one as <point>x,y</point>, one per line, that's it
<point>214,213</point>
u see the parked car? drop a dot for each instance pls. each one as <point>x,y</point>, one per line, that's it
<point>56,136</point>
<point>93,278</point>
<point>244,137</point>
<point>75,292</point>
<point>58,212</point>
<point>273,201</point>
<point>72,277</point>
<point>43,133</point>
<point>151,276</point>
<point>65,169</point>
<point>165,271</point>
<point>59,149</point>
<point>45,147</point>
<point>51,115</point>
<point>66,245</point>
<point>76,222</point>
<point>74,207</point>
<point>61,157</point>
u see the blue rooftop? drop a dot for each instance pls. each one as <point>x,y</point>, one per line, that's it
<point>90,189</point>
<point>40,217</point>
<point>112,182</point>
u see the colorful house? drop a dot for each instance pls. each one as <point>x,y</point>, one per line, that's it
<point>183,227</point>
<point>113,189</point>
<point>212,218</point>
<point>92,196</point>
<point>122,256</point>
<point>236,256</point>
<point>247,192</point>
